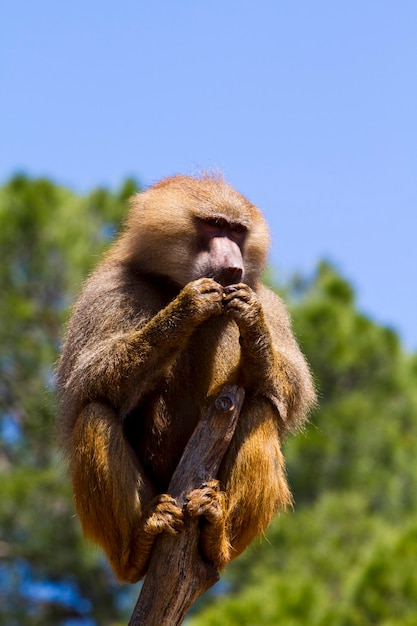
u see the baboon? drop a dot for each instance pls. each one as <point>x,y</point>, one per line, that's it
<point>174,312</point>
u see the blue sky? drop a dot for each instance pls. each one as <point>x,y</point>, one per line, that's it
<point>309,108</point>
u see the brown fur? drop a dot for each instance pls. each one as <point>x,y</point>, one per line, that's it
<point>149,344</point>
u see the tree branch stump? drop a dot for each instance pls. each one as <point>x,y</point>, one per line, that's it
<point>177,573</point>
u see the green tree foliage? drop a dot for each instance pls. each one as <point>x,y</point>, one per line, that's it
<point>365,431</point>
<point>345,557</point>
<point>49,237</point>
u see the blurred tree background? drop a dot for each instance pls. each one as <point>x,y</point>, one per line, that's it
<point>345,557</point>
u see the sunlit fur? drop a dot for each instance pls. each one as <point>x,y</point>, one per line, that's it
<point>146,350</point>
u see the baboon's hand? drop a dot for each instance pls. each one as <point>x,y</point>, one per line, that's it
<point>242,304</point>
<point>203,298</point>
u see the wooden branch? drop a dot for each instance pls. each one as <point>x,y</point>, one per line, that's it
<point>177,573</point>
